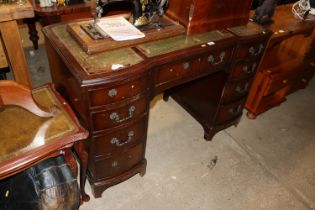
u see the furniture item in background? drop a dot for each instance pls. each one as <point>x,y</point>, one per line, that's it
<point>37,125</point>
<point>11,40</point>
<point>288,64</point>
<point>55,14</point>
<point>204,15</point>
<point>209,74</point>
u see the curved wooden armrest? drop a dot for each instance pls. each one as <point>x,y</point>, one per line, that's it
<point>12,93</point>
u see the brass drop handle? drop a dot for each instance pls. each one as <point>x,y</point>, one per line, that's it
<point>114,116</point>
<point>248,70</point>
<point>186,65</point>
<point>119,143</point>
<point>241,90</point>
<point>235,111</point>
<point>255,52</point>
<point>114,164</point>
<point>214,61</point>
<point>112,92</point>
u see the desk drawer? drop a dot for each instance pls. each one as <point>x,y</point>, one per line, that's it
<point>118,116</point>
<point>120,140</point>
<point>106,95</point>
<point>243,70</point>
<point>200,65</point>
<point>250,50</point>
<point>118,163</point>
<point>236,90</point>
<point>230,112</point>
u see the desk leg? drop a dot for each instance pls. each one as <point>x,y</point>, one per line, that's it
<point>15,52</point>
<point>31,23</point>
<point>83,159</point>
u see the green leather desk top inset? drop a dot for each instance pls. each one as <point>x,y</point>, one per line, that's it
<point>247,30</point>
<point>22,131</point>
<point>122,58</point>
<point>164,46</point>
<point>98,63</point>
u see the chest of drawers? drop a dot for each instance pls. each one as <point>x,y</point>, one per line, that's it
<point>285,67</point>
<point>208,74</point>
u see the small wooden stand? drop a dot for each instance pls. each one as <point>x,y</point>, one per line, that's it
<point>167,28</point>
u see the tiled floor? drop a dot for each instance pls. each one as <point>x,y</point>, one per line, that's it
<point>267,163</point>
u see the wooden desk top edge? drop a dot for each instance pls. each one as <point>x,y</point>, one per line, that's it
<point>87,79</point>
<point>15,11</point>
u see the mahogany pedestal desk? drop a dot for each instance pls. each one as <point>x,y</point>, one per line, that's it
<point>36,125</point>
<point>288,64</point>
<point>208,74</point>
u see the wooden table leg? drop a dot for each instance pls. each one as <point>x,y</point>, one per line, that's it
<point>15,52</point>
<point>83,159</point>
<point>31,23</point>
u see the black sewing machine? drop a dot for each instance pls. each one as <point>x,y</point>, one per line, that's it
<point>143,11</point>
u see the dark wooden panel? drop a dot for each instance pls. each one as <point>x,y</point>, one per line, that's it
<point>103,95</point>
<point>201,16</point>
<point>242,70</point>
<point>118,163</point>
<point>105,119</point>
<point>106,144</point>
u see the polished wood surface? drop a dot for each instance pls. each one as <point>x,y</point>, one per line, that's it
<point>202,16</point>
<point>28,138</point>
<point>287,64</point>
<point>3,57</point>
<point>15,11</point>
<point>55,14</point>
<point>59,13</point>
<point>209,74</point>
<point>10,36</point>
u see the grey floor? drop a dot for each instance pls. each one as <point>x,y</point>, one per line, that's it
<point>267,163</point>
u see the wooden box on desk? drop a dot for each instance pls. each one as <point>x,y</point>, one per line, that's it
<point>205,15</point>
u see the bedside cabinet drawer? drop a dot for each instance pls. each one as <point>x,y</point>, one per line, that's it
<point>236,90</point>
<point>118,163</point>
<point>230,112</point>
<point>243,70</point>
<point>110,118</point>
<point>105,145</point>
<point>250,50</point>
<point>200,65</point>
<point>106,95</point>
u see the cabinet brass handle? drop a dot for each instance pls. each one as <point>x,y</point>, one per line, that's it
<point>112,92</point>
<point>241,90</point>
<point>248,70</point>
<point>236,110</point>
<point>114,164</point>
<point>213,61</point>
<point>255,52</point>
<point>119,143</point>
<point>186,65</point>
<point>114,116</point>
